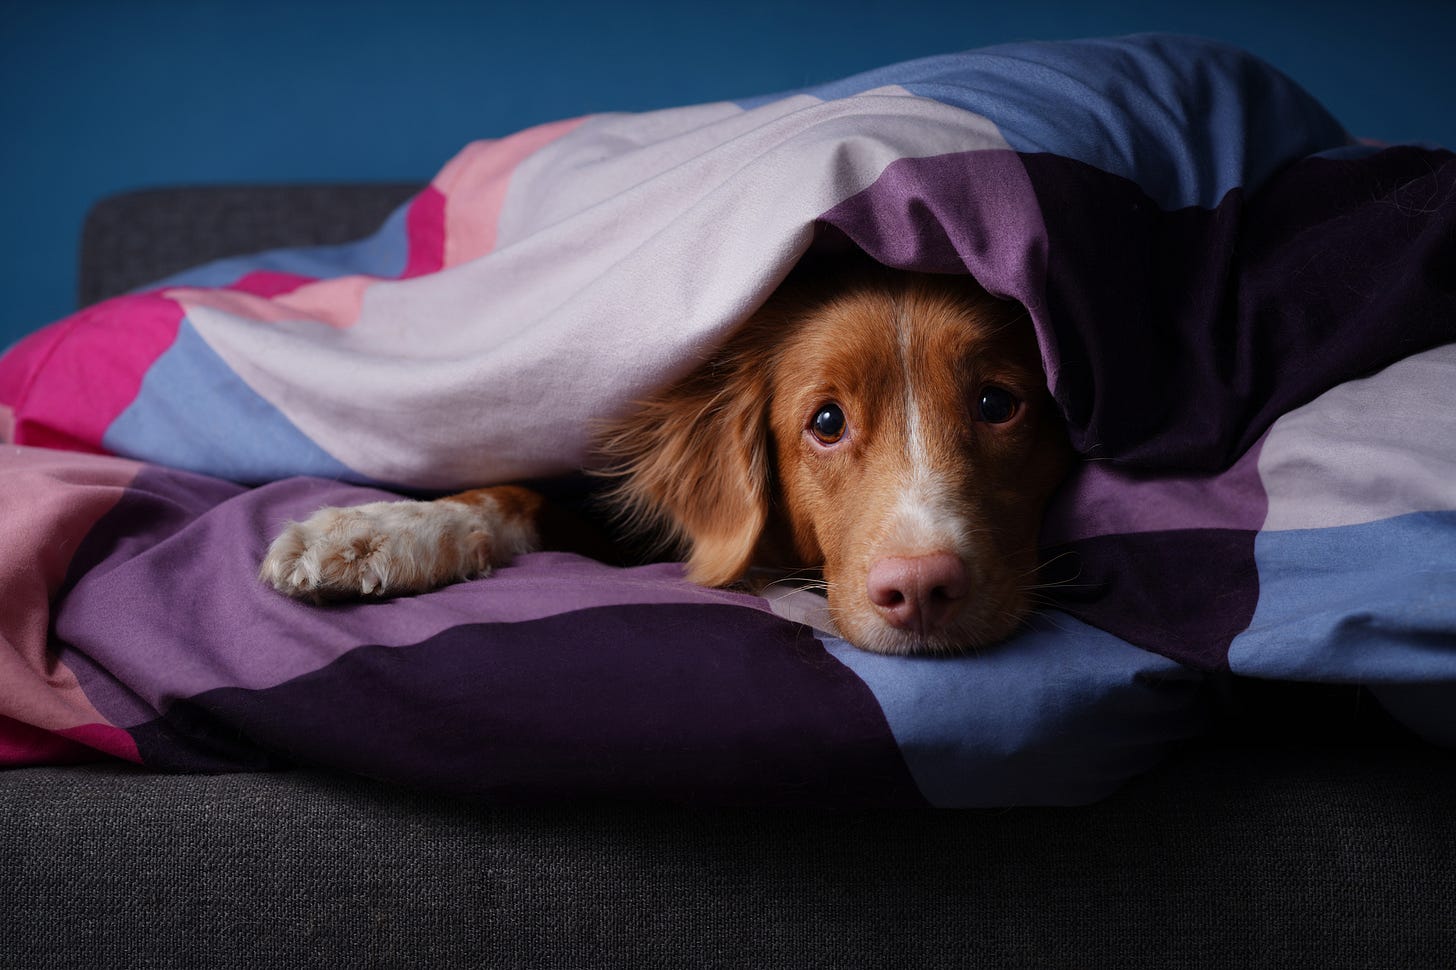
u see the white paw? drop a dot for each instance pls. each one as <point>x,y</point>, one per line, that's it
<point>380,549</point>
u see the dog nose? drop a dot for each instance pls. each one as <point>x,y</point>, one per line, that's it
<point>918,593</point>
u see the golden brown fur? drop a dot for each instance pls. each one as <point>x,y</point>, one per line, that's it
<point>725,460</point>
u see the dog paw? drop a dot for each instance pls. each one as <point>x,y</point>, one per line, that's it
<point>377,550</point>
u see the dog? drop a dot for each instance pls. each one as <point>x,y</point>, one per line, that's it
<point>888,434</point>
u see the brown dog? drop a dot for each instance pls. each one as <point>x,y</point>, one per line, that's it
<point>891,431</point>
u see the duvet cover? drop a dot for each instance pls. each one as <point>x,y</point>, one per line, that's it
<point>1246,316</point>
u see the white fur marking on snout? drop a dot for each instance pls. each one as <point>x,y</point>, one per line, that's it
<point>923,522</point>
<point>923,519</point>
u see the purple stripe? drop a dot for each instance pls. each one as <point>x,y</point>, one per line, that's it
<point>1101,498</point>
<point>921,214</point>
<point>129,623</point>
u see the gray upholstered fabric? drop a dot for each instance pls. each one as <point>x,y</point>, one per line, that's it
<point>1230,857</point>
<point>133,239</point>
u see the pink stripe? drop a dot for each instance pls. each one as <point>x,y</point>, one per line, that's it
<point>474,185</point>
<point>93,364</point>
<point>52,502</point>
<point>335,302</point>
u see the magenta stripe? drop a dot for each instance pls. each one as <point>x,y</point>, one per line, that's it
<point>93,365</point>
<point>425,227</point>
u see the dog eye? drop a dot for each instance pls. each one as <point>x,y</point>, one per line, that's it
<point>828,423</point>
<point>997,405</point>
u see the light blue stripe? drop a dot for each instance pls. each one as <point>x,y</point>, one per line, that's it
<point>384,254</point>
<point>1186,119</point>
<point>192,412</point>
<point>1372,604</point>
<point>1062,714</point>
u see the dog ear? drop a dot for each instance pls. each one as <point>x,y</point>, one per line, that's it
<point>695,459</point>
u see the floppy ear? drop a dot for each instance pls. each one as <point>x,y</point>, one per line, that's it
<point>695,460</point>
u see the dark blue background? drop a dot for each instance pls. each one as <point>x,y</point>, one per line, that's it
<point>98,97</point>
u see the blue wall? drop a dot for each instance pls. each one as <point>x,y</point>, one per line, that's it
<point>100,96</point>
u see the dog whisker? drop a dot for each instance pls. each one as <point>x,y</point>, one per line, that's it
<point>1043,565</point>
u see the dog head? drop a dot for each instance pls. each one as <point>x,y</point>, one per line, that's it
<point>890,429</point>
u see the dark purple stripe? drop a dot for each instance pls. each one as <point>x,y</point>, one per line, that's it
<point>1185,595</point>
<point>1182,335</point>
<point>695,703</point>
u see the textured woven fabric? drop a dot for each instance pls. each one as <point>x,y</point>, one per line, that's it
<point>1234,857</point>
<point>139,237</point>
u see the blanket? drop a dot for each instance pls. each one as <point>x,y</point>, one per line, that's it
<point>1246,317</point>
